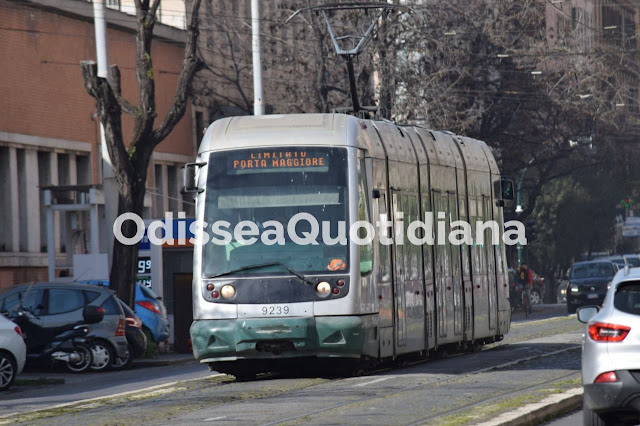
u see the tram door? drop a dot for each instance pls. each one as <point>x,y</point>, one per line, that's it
<point>400,273</point>
<point>491,267</point>
<point>444,282</point>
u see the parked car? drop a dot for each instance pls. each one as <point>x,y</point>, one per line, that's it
<point>537,289</point>
<point>59,304</point>
<point>588,283</point>
<point>561,291</point>
<point>150,309</point>
<point>13,352</point>
<point>619,261</point>
<point>152,312</point>
<point>610,361</point>
<point>633,260</point>
<point>136,339</point>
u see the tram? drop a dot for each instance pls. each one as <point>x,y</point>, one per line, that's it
<point>261,304</point>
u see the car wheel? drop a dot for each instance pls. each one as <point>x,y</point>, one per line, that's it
<point>535,297</point>
<point>125,362</point>
<point>8,371</point>
<point>82,364</point>
<point>102,356</point>
<point>591,418</point>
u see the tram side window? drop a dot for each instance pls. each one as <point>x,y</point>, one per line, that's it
<point>444,205</point>
<point>366,250</point>
<point>384,268</point>
<point>455,252</point>
<point>466,267</point>
<point>475,249</point>
<point>428,259</point>
<point>414,249</point>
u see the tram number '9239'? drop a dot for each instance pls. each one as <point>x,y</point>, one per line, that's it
<point>275,310</point>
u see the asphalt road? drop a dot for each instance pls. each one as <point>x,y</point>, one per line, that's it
<point>91,385</point>
<point>537,358</point>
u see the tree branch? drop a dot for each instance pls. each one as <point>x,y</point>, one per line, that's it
<point>117,92</point>
<point>191,64</point>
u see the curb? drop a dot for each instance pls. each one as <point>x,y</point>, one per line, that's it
<point>550,407</point>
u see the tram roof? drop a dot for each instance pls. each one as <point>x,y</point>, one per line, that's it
<point>346,130</point>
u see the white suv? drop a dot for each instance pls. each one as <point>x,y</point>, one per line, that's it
<point>611,354</point>
<point>13,352</point>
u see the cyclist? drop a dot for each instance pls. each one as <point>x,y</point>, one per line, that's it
<point>524,278</point>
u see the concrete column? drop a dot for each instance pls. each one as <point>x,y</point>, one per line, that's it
<point>13,194</point>
<point>56,215</point>
<point>164,189</point>
<point>73,170</point>
<point>33,200</point>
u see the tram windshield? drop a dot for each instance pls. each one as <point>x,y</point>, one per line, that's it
<point>268,185</point>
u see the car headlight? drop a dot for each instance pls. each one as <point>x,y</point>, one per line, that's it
<point>563,291</point>
<point>323,288</point>
<point>574,288</point>
<point>228,291</point>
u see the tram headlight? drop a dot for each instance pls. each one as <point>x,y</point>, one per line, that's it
<point>323,288</point>
<point>228,291</point>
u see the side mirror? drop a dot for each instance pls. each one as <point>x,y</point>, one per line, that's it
<point>585,313</point>
<point>506,186</point>
<point>92,314</point>
<point>189,178</point>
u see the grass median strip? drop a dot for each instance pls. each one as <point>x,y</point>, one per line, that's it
<point>481,412</point>
<point>103,401</point>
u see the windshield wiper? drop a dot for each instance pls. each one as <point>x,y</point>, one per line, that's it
<point>263,265</point>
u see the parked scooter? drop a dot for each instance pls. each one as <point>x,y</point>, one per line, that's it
<point>69,344</point>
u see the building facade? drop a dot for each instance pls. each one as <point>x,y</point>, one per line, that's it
<point>49,134</point>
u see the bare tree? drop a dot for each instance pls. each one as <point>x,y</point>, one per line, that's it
<point>130,162</point>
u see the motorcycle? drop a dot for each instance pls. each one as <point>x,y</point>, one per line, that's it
<point>70,343</point>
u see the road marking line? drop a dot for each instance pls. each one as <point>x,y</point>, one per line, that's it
<point>373,381</point>
<point>100,398</point>
<point>213,419</point>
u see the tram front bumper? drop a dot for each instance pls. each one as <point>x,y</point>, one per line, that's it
<point>268,338</point>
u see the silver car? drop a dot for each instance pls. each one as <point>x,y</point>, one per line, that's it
<point>611,354</point>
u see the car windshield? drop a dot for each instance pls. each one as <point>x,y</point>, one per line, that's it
<point>627,298</point>
<point>268,187</point>
<point>592,270</point>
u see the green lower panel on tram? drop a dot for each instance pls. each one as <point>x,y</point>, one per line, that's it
<point>260,338</point>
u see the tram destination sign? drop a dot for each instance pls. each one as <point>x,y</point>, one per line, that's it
<point>277,160</point>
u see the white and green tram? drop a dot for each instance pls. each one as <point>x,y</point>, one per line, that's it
<point>258,306</point>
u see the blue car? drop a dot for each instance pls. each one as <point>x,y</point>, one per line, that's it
<point>149,308</point>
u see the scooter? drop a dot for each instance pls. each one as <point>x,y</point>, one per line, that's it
<point>70,344</point>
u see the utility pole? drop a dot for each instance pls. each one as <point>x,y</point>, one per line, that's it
<point>109,184</point>
<point>258,106</point>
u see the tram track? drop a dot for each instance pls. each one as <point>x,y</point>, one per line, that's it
<point>437,382</point>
